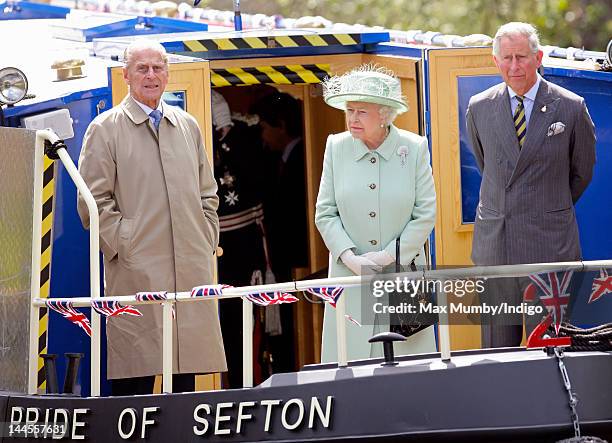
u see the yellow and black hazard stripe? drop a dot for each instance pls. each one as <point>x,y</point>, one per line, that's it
<point>279,75</point>
<point>45,262</point>
<point>277,41</point>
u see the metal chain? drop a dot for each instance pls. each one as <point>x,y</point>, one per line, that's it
<point>573,400</point>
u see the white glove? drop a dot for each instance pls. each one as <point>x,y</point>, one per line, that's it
<point>358,264</point>
<point>382,258</point>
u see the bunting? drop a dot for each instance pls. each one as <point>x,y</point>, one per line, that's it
<point>601,285</point>
<point>66,310</point>
<point>114,309</point>
<point>155,296</point>
<point>330,294</point>
<point>271,298</point>
<point>208,290</point>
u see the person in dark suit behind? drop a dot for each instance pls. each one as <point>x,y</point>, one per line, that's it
<point>280,119</point>
<point>534,144</point>
<point>284,200</point>
<point>237,151</point>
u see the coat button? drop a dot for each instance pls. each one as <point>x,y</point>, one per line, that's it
<point>372,185</point>
<point>373,160</point>
<point>372,214</point>
<point>373,242</point>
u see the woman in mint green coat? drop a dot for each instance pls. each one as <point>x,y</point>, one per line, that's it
<point>376,186</point>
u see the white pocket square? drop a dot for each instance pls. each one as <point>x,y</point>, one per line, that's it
<point>555,128</point>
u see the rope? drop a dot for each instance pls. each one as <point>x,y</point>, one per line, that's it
<point>584,439</point>
<point>598,338</point>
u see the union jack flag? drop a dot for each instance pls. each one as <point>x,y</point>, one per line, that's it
<point>155,296</point>
<point>114,308</point>
<point>271,298</point>
<point>601,285</point>
<point>330,294</point>
<point>553,293</point>
<point>66,310</point>
<point>151,296</point>
<point>208,290</point>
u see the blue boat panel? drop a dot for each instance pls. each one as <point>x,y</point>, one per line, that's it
<point>374,37</point>
<point>21,10</point>
<point>578,73</point>
<point>399,49</point>
<point>50,105</point>
<point>132,27</point>
<point>470,175</point>
<point>111,29</point>
<point>594,210</point>
<point>172,24</point>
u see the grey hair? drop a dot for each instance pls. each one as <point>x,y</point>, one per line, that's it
<point>140,44</point>
<point>388,114</point>
<point>513,29</point>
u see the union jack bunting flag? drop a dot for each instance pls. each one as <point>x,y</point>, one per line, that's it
<point>66,310</point>
<point>329,294</point>
<point>552,289</point>
<point>208,290</point>
<point>113,309</point>
<point>602,285</point>
<point>151,296</point>
<point>155,296</point>
<point>271,298</point>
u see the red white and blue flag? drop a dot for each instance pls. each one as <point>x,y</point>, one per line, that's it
<point>114,309</point>
<point>271,298</point>
<point>602,285</point>
<point>66,310</point>
<point>330,294</point>
<point>553,291</point>
<point>152,296</point>
<point>155,296</point>
<point>208,290</point>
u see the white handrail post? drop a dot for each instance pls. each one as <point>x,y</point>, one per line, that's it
<point>247,343</point>
<point>443,326</point>
<point>167,350</point>
<point>94,264</point>
<point>341,332</point>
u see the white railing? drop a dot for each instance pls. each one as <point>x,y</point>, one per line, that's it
<point>94,263</point>
<point>233,292</point>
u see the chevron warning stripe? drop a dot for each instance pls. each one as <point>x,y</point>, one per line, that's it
<point>279,75</point>
<point>45,262</point>
<point>278,41</point>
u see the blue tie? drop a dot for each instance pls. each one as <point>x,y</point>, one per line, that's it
<point>156,116</point>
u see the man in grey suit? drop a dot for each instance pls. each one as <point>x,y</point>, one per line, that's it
<point>534,143</point>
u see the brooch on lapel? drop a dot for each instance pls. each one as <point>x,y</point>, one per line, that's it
<point>543,108</point>
<point>402,151</point>
<point>555,128</point>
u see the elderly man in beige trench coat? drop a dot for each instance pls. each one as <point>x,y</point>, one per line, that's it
<point>146,166</point>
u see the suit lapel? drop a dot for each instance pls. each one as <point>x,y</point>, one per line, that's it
<point>539,121</point>
<point>505,124</point>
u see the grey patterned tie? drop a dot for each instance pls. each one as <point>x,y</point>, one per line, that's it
<point>156,115</point>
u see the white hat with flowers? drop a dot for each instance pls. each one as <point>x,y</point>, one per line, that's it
<point>367,83</point>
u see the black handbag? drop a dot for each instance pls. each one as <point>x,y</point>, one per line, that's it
<point>409,323</point>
